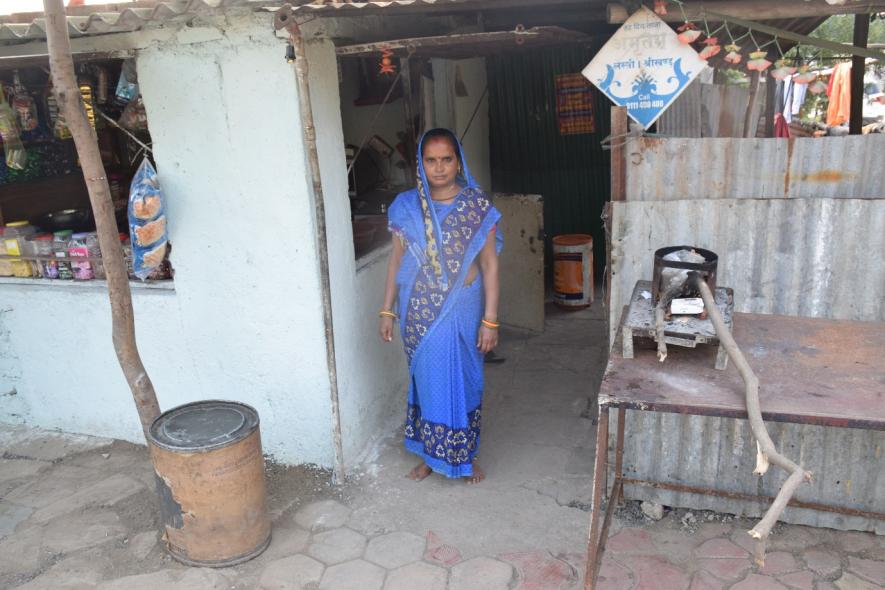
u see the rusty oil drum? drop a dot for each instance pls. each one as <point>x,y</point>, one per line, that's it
<point>210,480</point>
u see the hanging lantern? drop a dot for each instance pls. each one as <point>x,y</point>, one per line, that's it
<point>758,61</point>
<point>781,70</point>
<point>661,7</point>
<point>817,87</point>
<point>712,48</point>
<point>688,33</point>
<point>733,56</point>
<point>804,76</point>
<point>386,65</point>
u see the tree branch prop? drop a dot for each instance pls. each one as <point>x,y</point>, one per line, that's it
<point>766,452</point>
<point>70,103</point>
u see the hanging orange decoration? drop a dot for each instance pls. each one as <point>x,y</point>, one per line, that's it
<point>688,33</point>
<point>782,71</point>
<point>386,64</point>
<point>712,48</point>
<point>661,7</point>
<point>804,76</point>
<point>817,87</point>
<point>758,61</point>
<point>733,56</point>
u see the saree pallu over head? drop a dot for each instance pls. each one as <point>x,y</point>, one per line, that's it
<point>440,317</point>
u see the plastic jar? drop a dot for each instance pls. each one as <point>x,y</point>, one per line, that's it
<point>83,245</point>
<point>42,248</point>
<point>5,265</point>
<point>14,238</point>
<point>60,240</point>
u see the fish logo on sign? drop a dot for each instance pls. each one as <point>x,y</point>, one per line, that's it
<point>644,67</point>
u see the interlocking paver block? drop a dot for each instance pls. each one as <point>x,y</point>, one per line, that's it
<point>613,575</point>
<point>779,562</point>
<point>286,541</point>
<point>730,570</point>
<point>849,581</point>
<point>440,552</point>
<point>89,529</point>
<point>353,575</point>
<point>631,542</point>
<point>395,550</point>
<point>823,562</point>
<point>189,579</point>
<point>720,549</point>
<point>855,541</point>
<point>481,573</point>
<point>106,492</point>
<point>337,546</point>
<point>417,575</point>
<point>298,572</point>
<point>874,571</point>
<point>653,573</point>
<point>321,516</point>
<point>757,582</point>
<point>704,581</point>
<point>538,570</point>
<point>799,580</point>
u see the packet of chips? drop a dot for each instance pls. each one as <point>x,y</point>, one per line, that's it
<point>147,221</point>
<point>16,156</point>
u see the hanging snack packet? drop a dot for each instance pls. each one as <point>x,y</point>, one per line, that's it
<point>16,156</point>
<point>134,117</point>
<point>147,221</point>
<point>24,106</point>
<point>126,90</point>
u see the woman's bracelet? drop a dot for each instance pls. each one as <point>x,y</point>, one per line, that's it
<point>386,313</point>
<point>490,324</point>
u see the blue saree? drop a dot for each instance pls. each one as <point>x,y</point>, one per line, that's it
<point>440,318</point>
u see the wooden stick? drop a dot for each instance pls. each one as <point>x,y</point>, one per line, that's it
<point>70,103</point>
<point>765,449</point>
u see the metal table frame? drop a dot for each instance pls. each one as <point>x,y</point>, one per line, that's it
<point>599,530</point>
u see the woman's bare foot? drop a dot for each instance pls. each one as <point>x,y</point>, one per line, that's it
<point>478,475</point>
<point>419,472</point>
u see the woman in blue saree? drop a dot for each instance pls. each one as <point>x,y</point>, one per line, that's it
<point>443,278</point>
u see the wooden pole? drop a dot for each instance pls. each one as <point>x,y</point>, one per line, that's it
<point>858,67</point>
<point>749,128</point>
<point>70,103</point>
<point>770,107</point>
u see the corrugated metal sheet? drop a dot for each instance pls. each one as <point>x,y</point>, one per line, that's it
<point>528,154</point>
<point>834,167</point>
<point>126,20</point>
<point>807,255</point>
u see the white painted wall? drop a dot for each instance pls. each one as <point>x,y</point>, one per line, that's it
<point>372,375</point>
<point>245,320</point>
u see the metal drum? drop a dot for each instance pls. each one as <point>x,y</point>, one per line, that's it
<point>210,480</point>
<point>573,271</point>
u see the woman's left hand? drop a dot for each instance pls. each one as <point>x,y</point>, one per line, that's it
<point>488,339</point>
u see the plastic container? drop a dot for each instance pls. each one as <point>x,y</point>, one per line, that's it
<point>5,265</point>
<point>83,245</point>
<point>573,271</point>
<point>14,238</point>
<point>42,247</point>
<point>60,240</point>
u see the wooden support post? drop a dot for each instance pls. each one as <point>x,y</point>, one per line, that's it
<point>749,128</point>
<point>770,107</point>
<point>70,104</point>
<point>858,66</point>
<point>409,112</point>
<point>620,128</point>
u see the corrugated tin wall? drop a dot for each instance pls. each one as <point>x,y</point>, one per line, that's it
<point>528,154</point>
<point>814,253</point>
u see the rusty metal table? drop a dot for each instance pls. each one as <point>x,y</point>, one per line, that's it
<point>811,371</point>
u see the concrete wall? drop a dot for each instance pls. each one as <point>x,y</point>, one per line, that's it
<point>372,375</point>
<point>244,321</point>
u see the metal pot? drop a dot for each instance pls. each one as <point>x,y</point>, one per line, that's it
<point>73,219</point>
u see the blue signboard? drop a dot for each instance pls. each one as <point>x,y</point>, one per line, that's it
<point>644,67</point>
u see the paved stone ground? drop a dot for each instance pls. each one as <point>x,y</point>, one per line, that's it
<point>79,513</point>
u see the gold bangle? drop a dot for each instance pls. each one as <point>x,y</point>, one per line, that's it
<point>490,324</point>
<point>385,313</point>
